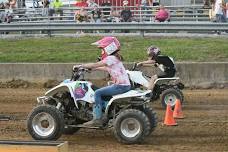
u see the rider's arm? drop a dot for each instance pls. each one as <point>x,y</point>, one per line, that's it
<point>146,62</point>
<point>93,65</point>
<point>101,68</point>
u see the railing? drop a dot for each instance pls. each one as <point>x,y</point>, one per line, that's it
<point>122,27</point>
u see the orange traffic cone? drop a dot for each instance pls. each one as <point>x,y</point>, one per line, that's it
<point>178,110</point>
<point>169,120</point>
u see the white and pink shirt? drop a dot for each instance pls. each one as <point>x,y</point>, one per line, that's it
<point>116,70</point>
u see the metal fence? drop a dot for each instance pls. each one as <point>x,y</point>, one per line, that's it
<point>141,28</point>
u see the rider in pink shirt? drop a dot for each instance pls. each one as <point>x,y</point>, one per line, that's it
<point>111,62</point>
<point>116,70</point>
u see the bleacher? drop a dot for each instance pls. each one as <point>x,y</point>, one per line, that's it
<point>192,19</point>
<point>178,13</point>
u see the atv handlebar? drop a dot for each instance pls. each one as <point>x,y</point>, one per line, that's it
<point>78,72</point>
<point>135,66</point>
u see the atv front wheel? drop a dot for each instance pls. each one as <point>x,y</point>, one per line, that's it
<point>131,126</point>
<point>170,96</point>
<point>45,122</point>
<point>151,114</point>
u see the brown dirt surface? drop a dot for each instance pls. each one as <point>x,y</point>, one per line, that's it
<point>205,127</point>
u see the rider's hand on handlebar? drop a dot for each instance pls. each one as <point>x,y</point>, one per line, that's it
<point>139,64</point>
<point>75,67</point>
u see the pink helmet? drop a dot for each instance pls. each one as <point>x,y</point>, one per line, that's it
<point>153,51</point>
<point>109,44</point>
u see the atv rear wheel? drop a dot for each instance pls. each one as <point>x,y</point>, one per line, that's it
<point>131,126</point>
<point>170,96</point>
<point>45,122</point>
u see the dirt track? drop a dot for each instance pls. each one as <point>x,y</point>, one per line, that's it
<point>205,127</point>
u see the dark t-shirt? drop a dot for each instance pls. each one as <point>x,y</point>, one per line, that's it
<point>169,66</point>
<point>126,15</point>
<point>166,61</point>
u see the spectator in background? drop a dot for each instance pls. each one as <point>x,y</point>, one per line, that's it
<point>107,8</point>
<point>96,15</point>
<point>226,9</point>
<point>45,4</point>
<point>81,15</point>
<point>219,11</point>
<point>56,8</point>
<point>126,15</point>
<point>2,12</point>
<point>8,13</point>
<point>162,15</point>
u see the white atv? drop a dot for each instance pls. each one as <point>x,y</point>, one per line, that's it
<point>65,108</point>
<point>169,89</point>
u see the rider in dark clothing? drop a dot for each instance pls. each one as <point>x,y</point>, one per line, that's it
<point>164,63</point>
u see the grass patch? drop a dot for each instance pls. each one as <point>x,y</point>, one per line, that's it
<point>133,49</point>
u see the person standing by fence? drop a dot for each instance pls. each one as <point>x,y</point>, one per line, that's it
<point>226,9</point>
<point>218,9</point>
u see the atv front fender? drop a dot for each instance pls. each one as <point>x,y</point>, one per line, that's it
<point>61,88</point>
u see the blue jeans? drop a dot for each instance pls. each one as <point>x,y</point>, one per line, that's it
<point>106,91</point>
<point>220,18</point>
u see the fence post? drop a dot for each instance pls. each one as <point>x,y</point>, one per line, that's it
<point>49,33</point>
<point>142,32</point>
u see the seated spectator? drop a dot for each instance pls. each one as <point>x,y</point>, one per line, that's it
<point>56,8</point>
<point>162,15</point>
<point>126,14</point>
<point>8,13</point>
<point>81,15</point>
<point>81,3</point>
<point>97,15</point>
<point>107,8</point>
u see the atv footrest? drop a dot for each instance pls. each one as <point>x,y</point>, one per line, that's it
<point>82,126</point>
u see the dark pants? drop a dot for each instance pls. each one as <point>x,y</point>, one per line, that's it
<point>55,11</point>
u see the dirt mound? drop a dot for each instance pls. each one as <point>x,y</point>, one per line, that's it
<point>17,84</point>
<point>50,83</point>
